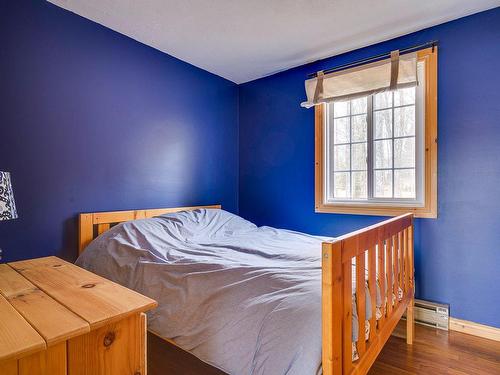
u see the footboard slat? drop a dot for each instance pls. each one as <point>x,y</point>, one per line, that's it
<point>395,285</point>
<point>390,290</point>
<point>372,286</point>
<point>383,256</point>
<point>410,254</point>
<point>361,301</point>
<point>347,321</point>
<point>381,282</point>
<point>401,258</point>
<point>405,261</point>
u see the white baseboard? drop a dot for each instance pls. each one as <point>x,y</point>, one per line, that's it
<point>475,329</point>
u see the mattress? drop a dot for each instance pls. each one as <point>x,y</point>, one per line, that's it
<point>242,298</point>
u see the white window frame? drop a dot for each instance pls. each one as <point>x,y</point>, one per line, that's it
<point>419,199</point>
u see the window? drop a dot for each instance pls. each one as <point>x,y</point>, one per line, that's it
<point>377,154</point>
<point>373,152</point>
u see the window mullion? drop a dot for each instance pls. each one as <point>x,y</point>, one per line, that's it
<point>393,158</point>
<point>350,149</point>
<point>369,147</point>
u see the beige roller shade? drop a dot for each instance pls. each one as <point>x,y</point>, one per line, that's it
<point>389,74</point>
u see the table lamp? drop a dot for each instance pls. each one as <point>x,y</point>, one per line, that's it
<point>7,204</point>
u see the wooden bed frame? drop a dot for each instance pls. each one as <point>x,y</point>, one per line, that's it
<point>393,264</point>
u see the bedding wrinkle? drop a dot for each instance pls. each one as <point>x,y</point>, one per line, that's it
<point>258,343</point>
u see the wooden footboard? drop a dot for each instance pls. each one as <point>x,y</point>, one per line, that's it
<point>385,253</point>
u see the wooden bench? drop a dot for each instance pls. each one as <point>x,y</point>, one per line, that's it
<point>57,318</point>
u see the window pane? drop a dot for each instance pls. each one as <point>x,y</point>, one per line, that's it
<point>359,185</point>
<point>383,124</point>
<point>404,96</point>
<point>359,156</point>
<point>341,158</point>
<point>341,109</point>
<point>341,126</point>
<point>358,106</point>
<point>382,100</point>
<point>383,184</point>
<point>404,183</point>
<point>404,153</point>
<point>383,154</point>
<point>342,185</point>
<point>359,128</point>
<point>404,121</point>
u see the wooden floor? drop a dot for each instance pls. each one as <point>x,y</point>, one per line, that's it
<point>167,359</point>
<point>433,352</point>
<point>437,352</point>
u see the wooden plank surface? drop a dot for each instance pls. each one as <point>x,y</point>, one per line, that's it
<point>143,352</point>
<point>411,256</point>
<point>86,231</point>
<point>94,298</point>
<point>404,260</point>
<point>382,281</point>
<point>410,321</point>
<point>361,302</point>
<point>338,308</point>
<point>372,284</point>
<point>395,260</point>
<point>111,349</point>
<point>17,337</point>
<point>435,351</point>
<point>101,228</point>
<point>8,367</point>
<point>48,362</point>
<point>53,321</point>
<point>332,308</point>
<point>120,216</point>
<point>388,259</point>
<point>12,283</point>
<point>327,308</point>
<point>347,318</point>
<point>369,236</point>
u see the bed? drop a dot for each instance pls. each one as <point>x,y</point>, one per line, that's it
<point>259,300</point>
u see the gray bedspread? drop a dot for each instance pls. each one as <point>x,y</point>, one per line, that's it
<point>243,298</point>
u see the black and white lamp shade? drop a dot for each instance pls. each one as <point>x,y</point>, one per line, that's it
<point>7,204</point>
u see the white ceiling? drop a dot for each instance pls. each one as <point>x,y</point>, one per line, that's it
<point>244,40</point>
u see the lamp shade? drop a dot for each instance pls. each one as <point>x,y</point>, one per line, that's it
<point>7,204</point>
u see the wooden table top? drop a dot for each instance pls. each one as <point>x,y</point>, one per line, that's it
<point>45,301</point>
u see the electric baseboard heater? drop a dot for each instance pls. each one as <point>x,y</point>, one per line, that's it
<point>431,314</point>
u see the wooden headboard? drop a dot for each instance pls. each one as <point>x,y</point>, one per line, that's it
<point>93,224</point>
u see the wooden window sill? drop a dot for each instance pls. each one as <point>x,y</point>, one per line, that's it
<point>367,209</point>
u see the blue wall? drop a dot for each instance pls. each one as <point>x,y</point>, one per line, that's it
<point>91,120</point>
<point>457,255</point>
